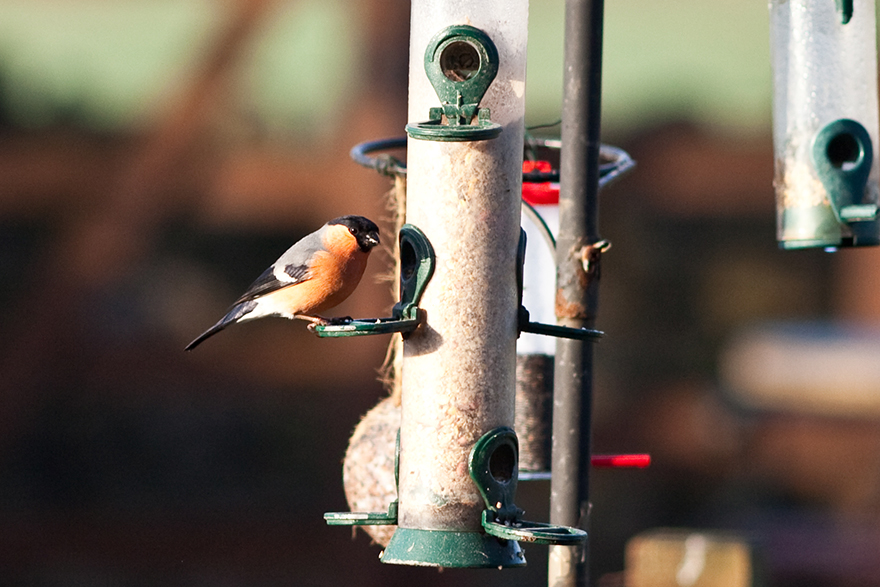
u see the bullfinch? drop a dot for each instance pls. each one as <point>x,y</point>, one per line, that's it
<point>315,274</point>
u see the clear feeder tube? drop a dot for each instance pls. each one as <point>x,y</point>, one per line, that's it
<point>459,367</point>
<point>824,70</point>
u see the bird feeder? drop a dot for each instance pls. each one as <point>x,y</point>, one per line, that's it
<point>825,122</point>
<point>535,354</point>
<point>457,469</point>
<point>457,456</point>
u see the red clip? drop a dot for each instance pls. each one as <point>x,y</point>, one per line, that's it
<point>540,166</point>
<point>638,461</point>
<point>538,194</point>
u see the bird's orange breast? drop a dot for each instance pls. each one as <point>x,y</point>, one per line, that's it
<point>334,274</point>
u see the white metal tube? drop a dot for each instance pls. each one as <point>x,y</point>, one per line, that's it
<point>459,368</point>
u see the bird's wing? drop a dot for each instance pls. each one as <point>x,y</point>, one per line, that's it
<point>270,281</point>
<point>293,267</point>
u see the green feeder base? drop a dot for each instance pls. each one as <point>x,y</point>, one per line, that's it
<point>810,227</point>
<point>444,548</point>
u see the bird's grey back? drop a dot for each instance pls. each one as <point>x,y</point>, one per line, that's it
<point>291,267</point>
<point>304,249</point>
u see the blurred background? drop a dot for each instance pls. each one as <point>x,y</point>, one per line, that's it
<point>156,156</point>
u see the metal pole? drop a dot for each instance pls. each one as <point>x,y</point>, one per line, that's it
<point>577,284</point>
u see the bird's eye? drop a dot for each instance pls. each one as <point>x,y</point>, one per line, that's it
<point>353,230</point>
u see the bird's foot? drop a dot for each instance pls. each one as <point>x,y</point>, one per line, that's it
<point>321,321</point>
<point>316,320</point>
<point>339,321</point>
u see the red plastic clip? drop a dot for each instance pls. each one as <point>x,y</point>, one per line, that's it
<point>540,194</point>
<point>542,166</point>
<point>637,461</point>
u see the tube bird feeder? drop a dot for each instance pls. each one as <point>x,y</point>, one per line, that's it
<point>825,122</point>
<point>458,453</point>
<point>463,192</point>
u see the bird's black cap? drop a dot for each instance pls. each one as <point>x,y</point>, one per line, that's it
<point>363,229</point>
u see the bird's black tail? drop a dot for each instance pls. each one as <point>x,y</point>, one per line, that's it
<point>207,334</point>
<point>235,314</point>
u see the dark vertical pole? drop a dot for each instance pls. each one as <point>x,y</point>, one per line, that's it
<point>577,284</point>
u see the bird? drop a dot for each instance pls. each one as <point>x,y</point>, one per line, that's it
<point>317,273</point>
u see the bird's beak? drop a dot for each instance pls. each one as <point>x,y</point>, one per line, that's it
<point>372,239</point>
